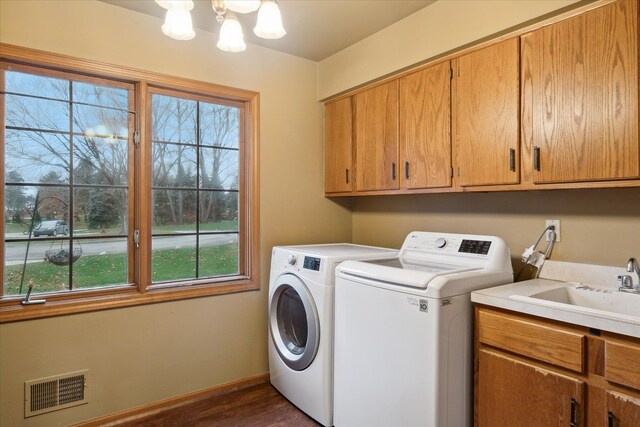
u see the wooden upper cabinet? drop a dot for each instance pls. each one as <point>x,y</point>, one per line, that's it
<point>425,121</point>
<point>338,174</point>
<point>580,96</point>
<point>487,110</point>
<point>376,137</point>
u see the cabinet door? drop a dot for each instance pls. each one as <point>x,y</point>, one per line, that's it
<point>337,146</point>
<point>622,410</point>
<point>513,393</point>
<point>377,138</point>
<point>584,88</point>
<point>425,137</point>
<point>487,115</point>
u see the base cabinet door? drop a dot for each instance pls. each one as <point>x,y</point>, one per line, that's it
<point>510,393</point>
<point>622,410</point>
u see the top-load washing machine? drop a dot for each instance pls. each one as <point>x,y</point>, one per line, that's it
<point>404,331</point>
<point>301,296</point>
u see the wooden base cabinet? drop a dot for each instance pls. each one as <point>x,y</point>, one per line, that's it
<point>531,371</point>
<point>511,392</point>
<point>621,410</point>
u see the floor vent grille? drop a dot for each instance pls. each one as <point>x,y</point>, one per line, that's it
<point>53,393</point>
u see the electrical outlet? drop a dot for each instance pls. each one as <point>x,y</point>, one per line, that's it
<point>556,223</point>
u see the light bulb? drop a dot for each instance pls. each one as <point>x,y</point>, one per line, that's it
<point>231,37</point>
<point>269,25</point>
<point>242,6</point>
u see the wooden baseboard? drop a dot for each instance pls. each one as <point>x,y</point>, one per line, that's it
<point>174,402</point>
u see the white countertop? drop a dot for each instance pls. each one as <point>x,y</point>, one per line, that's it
<point>514,296</point>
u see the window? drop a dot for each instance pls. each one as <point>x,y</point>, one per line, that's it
<point>122,187</point>
<point>67,182</point>
<point>196,158</point>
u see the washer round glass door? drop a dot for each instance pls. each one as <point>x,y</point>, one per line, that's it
<point>293,321</point>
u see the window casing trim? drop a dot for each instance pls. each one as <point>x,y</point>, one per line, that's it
<point>142,291</point>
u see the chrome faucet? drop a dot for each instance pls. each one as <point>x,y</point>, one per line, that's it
<point>626,281</point>
<point>632,265</point>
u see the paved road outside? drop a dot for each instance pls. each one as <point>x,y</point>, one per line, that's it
<point>14,252</point>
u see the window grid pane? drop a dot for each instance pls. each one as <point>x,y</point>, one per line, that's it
<point>58,236</point>
<point>195,146</point>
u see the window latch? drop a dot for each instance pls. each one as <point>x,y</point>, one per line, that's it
<point>136,238</point>
<point>136,138</point>
<point>27,299</point>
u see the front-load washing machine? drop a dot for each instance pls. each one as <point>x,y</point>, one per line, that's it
<point>301,292</point>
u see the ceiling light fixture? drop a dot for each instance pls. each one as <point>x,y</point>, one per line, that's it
<point>178,24</point>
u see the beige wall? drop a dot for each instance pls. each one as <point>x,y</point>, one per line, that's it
<point>144,354</point>
<point>438,28</point>
<point>597,226</point>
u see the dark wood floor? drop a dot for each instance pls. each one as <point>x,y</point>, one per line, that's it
<point>260,405</point>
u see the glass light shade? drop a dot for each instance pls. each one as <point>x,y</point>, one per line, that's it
<point>177,24</point>
<point>242,6</point>
<point>269,25</point>
<point>231,37</point>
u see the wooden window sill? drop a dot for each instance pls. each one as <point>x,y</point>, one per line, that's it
<point>11,309</point>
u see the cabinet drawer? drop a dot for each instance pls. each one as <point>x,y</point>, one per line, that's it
<point>529,338</point>
<point>622,363</point>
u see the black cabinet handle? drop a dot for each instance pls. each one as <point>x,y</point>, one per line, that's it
<point>512,160</point>
<point>393,171</point>
<point>406,170</point>
<point>536,158</point>
<point>573,413</point>
<point>346,172</point>
<point>610,419</point>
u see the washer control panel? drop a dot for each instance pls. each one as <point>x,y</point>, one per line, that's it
<point>480,247</point>
<point>311,263</point>
<point>449,244</point>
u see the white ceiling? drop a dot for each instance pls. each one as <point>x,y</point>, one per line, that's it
<point>316,29</point>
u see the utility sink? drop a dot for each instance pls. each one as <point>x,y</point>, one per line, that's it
<point>580,294</point>
<point>588,300</point>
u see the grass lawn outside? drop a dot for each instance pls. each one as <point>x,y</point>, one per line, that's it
<point>111,269</point>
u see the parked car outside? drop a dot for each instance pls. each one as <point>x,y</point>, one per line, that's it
<point>51,228</point>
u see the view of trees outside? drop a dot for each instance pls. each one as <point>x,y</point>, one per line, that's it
<point>66,163</point>
<point>195,185</point>
<point>67,160</point>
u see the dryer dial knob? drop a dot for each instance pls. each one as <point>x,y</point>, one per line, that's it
<point>441,242</point>
<point>292,259</point>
